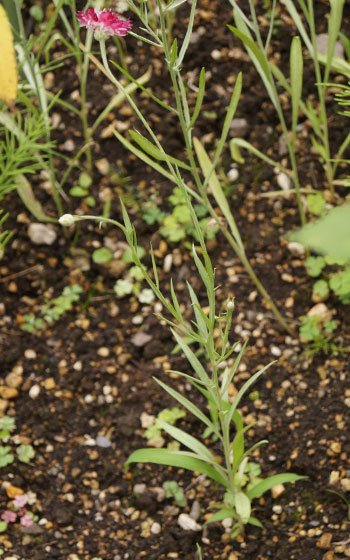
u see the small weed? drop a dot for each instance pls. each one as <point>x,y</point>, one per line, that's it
<point>172,490</point>
<point>170,416</point>
<point>53,309</point>
<point>337,281</point>
<point>317,334</point>
<point>23,452</point>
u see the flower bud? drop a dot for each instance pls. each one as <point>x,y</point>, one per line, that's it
<point>66,220</point>
<point>230,305</point>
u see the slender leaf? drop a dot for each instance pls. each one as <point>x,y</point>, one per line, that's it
<point>334,23</point>
<point>223,513</point>
<point>143,157</point>
<point>244,389</point>
<point>257,56</point>
<point>179,459</point>
<point>296,80</point>
<point>187,404</point>
<point>200,96</point>
<point>268,483</point>
<point>217,192</point>
<point>153,151</point>
<point>298,22</point>
<point>195,363</point>
<point>236,142</point>
<point>202,326</point>
<point>192,443</point>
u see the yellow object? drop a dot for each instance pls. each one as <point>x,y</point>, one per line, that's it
<point>13,491</point>
<point>8,73</point>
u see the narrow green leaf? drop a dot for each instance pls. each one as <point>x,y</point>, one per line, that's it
<point>243,390</point>
<point>154,267</point>
<point>200,96</point>
<point>26,194</point>
<point>143,157</point>
<point>298,22</point>
<point>217,192</point>
<point>187,404</point>
<point>202,326</point>
<point>195,363</point>
<point>235,142</point>
<point>258,58</point>
<point>337,64</point>
<point>153,151</point>
<point>179,459</point>
<point>173,5</point>
<point>334,24</point>
<point>223,513</point>
<point>268,483</point>
<point>192,443</point>
<point>255,522</point>
<point>296,80</point>
<point>188,35</point>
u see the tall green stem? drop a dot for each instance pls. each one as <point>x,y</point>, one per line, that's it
<point>321,95</point>
<point>83,111</point>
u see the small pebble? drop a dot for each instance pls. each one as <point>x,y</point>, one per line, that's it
<point>277,490</point>
<point>275,351</point>
<point>102,441</point>
<point>30,354</point>
<point>140,488</point>
<point>233,174</point>
<point>34,391</point>
<point>187,523</point>
<point>103,352</point>
<point>277,509</point>
<point>156,528</point>
<point>41,234</point>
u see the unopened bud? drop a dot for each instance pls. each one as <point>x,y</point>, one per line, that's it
<point>230,305</point>
<point>66,220</point>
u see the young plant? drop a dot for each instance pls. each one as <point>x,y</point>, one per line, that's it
<point>317,334</point>
<point>24,452</point>
<point>230,468</point>
<point>131,282</point>
<point>53,309</point>
<point>172,490</point>
<point>151,151</point>
<point>154,431</point>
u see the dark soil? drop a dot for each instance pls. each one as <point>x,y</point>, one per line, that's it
<point>83,376</point>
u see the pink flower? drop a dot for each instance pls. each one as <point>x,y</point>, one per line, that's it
<point>27,520</point>
<point>20,501</point>
<point>105,22</point>
<point>9,516</point>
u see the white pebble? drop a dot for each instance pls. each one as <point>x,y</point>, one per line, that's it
<point>30,354</point>
<point>275,351</point>
<point>216,54</point>
<point>233,174</point>
<point>89,399</point>
<point>187,523</point>
<point>168,262</point>
<point>34,391</point>
<point>277,509</point>
<point>156,528</point>
<point>103,352</point>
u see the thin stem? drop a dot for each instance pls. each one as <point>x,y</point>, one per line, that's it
<point>83,111</point>
<point>321,95</point>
